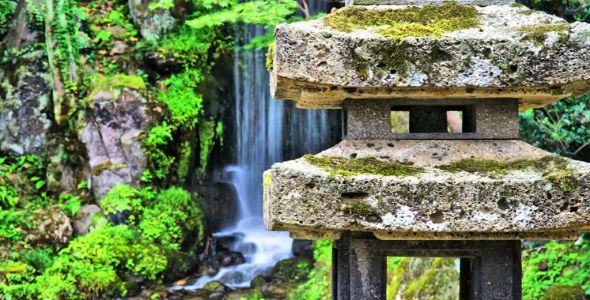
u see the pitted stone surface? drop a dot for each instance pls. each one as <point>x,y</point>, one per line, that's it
<point>434,204</point>
<point>319,66</point>
<point>423,2</point>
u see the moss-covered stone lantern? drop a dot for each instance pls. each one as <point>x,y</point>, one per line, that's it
<point>431,164</point>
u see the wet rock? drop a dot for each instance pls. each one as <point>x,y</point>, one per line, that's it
<point>112,132</point>
<point>219,203</point>
<point>217,296</point>
<point>180,264</point>
<point>49,227</point>
<point>85,218</point>
<point>303,248</point>
<point>291,270</point>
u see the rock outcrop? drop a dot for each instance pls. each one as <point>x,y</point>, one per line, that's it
<point>112,132</point>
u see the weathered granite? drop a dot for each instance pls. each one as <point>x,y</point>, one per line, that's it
<point>546,200</point>
<point>514,52</point>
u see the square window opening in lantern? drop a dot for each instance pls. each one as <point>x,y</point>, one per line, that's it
<point>423,277</point>
<point>456,119</point>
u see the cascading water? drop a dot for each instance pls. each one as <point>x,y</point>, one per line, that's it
<point>267,131</point>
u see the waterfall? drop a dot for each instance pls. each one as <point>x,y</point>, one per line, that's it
<point>267,131</point>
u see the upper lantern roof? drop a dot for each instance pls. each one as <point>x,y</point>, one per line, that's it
<point>445,50</point>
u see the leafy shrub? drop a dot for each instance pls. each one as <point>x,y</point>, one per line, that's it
<point>172,217</point>
<point>562,127</point>
<point>120,198</point>
<point>556,263</point>
<point>317,286</point>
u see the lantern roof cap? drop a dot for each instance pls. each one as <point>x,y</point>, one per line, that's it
<point>432,51</point>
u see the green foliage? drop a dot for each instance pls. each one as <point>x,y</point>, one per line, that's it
<point>578,10</point>
<point>94,265</point>
<point>317,286</point>
<point>184,105</point>
<point>69,204</point>
<point>121,198</point>
<point>562,127</point>
<point>172,216</point>
<point>6,11</point>
<point>21,178</point>
<point>556,263</point>
<point>261,12</point>
<point>158,160</point>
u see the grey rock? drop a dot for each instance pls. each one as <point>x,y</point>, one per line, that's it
<point>319,67</point>
<point>313,203</point>
<point>24,107</point>
<point>112,134</point>
<point>152,23</point>
<point>84,218</point>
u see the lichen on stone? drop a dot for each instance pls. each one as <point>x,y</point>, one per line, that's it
<point>555,169</point>
<point>367,165</point>
<point>413,21</point>
<point>270,56</point>
<point>538,32</point>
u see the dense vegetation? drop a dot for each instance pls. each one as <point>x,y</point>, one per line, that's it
<point>151,231</point>
<point>159,52</point>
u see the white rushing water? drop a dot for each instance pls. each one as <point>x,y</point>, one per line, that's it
<point>267,131</point>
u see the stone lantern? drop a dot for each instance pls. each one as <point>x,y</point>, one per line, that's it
<point>424,190</point>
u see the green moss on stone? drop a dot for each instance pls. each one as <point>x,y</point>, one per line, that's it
<point>115,83</point>
<point>565,179</point>
<point>267,179</point>
<point>414,21</point>
<point>366,165</point>
<point>538,33</point>
<point>555,169</point>
<point>270,56</point>
<point>494,167</point>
